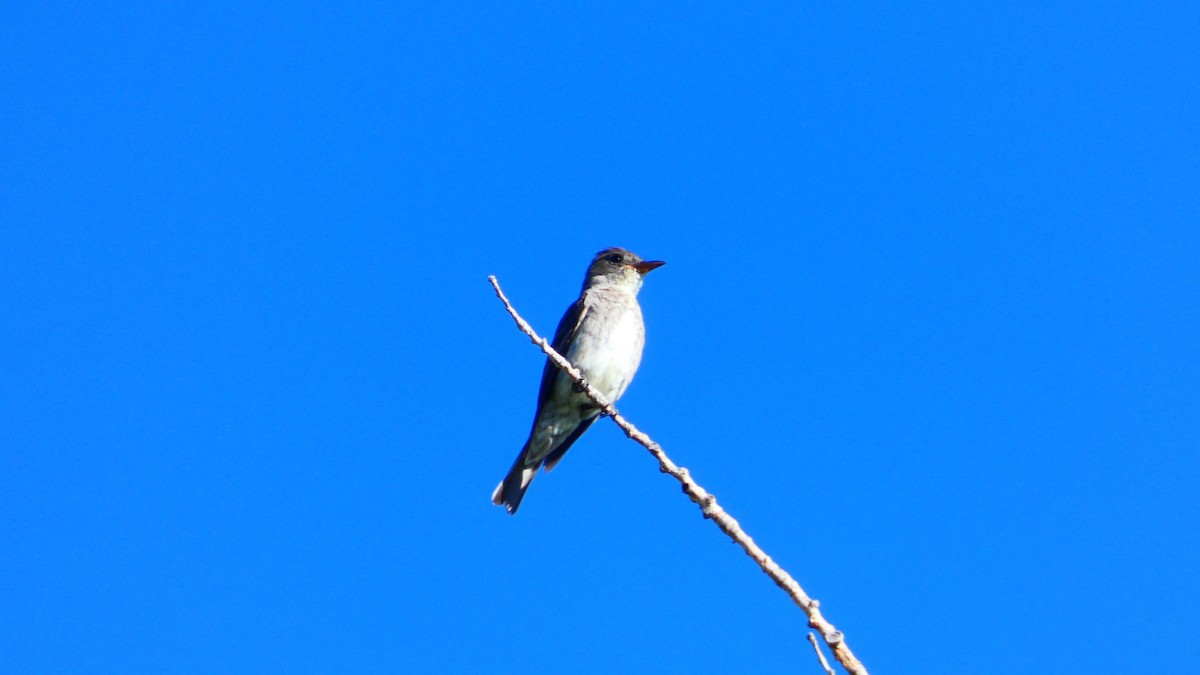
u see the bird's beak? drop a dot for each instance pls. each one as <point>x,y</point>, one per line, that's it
<point>647,265</point>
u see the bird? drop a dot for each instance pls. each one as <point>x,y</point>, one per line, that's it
<point>601,334</point>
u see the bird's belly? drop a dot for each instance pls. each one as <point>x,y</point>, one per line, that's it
<point>609,358</point>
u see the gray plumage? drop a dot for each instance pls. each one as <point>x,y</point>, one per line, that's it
<point>602,335</point>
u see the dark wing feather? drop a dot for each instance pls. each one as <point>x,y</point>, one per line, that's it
<point>562,340</point>
<point>563,447</point>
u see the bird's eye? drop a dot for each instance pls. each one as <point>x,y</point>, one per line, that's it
<point>615,258</point>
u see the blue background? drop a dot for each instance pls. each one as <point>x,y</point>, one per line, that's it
<point>928,329</point>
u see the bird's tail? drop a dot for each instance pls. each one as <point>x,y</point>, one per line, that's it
<point>511,490</point>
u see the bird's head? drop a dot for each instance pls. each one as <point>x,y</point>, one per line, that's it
<point>618,267</point>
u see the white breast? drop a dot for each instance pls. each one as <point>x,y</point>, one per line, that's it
<point>608,344</point>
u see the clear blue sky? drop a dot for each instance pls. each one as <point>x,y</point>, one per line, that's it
<point>929,329</point>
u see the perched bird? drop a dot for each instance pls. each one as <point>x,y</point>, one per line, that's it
<point>602,335</point>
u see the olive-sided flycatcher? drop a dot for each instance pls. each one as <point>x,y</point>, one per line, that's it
<point>602,335</point>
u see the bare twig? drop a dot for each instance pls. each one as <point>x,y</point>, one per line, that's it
<point>707,502</point>
<point>820,655</point>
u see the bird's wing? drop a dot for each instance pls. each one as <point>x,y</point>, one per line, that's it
<point>561,342</point>
<point>557,453</point>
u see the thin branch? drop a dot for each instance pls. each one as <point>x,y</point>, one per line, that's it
<point>820,655</point>
<point>707,502</point>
